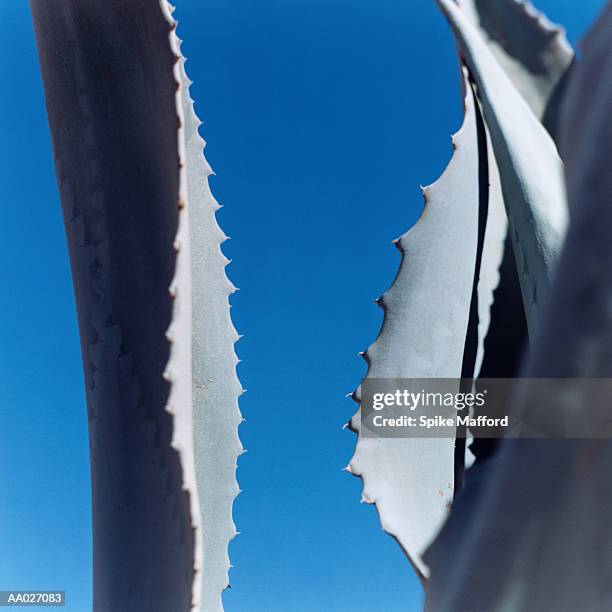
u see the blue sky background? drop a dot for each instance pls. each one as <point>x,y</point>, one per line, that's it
<point>322,117</point>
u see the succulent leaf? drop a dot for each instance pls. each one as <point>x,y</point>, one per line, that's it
<point>537,58</point>
<point>531,171</point>
<point>152,302</point>
<point>547,502</point>
<point>426,314</point>
<point>533,52</point>
<point>216,387</point>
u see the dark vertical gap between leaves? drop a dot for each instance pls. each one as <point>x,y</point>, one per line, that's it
<point>471,340</point>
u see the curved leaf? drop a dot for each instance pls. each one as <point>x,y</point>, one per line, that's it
<point>426,314</point>
<point>117,162</point>
<point>548,502</point>
<point>530,168</point>
<point>533,52</point>
<point>216,387</point>
<point>152,302</point>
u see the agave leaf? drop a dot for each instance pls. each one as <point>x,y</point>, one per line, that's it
<point>536,57</point>
<point>533,52</point>
<point>492,223</point>
<point>143,246</point>
<point>496,226</point>
<point>583,289</point>
<point>117,163</point>
<point>585,128</point>
<point>215,384</point>
<point>529,165</point>
<point>548,502</point>
<point>508,27</point>
<point>426,314</point>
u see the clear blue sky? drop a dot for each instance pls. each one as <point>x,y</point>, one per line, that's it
<point>322,118</point>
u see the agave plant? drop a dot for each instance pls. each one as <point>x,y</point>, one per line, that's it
<point>547,501</point>
<point>500,277</point>
<point>152,299</point>
<point>485,277</point>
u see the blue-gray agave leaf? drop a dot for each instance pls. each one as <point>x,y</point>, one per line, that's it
<point>547,502</point>
<point>536,57</point>
<point>426,314</point>
<point>531,172</point>
<point>215,385</point>
<point>144,247</point>
<point>533,52</point>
